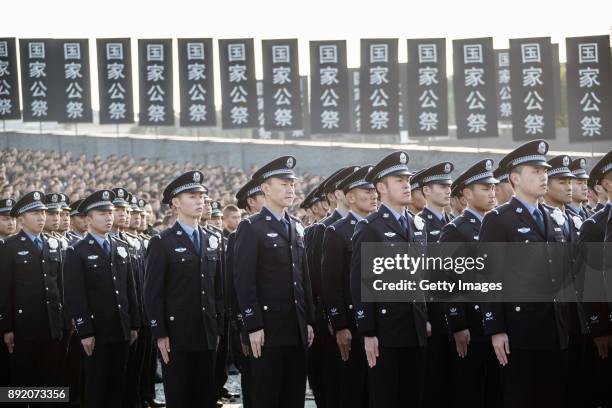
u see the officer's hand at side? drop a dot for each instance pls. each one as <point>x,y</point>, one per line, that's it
<point>88,345</point>
<point>462,340</point>
<point>371,349</point>
<point>257,341</point>
<point>603,344</point>
<point>310,335</point>
<point>133,336</point>
<point>501,345</point>
<point>9,340</point>
<point>163,345</point>
<point>343,339</point>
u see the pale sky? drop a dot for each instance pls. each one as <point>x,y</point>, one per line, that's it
<point>307,20</point>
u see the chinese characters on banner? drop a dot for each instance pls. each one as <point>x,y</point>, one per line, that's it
<point>115,81</point>
<point>282,101</point>
<point>589,103</point>
<point>531,80</point>
<point>238,86</point>
<point>329,105</point>
<point>196,82</point>
<point>37,74</point>
<point>155,82</point>
<point>355,109</point>
<point>504,93</point>
<point>74,82</point>
<point>474,84</point>
<point>9,80</point>
<point>427,87</point>
<point>378,86</point>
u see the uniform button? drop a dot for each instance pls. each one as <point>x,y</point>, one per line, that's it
<point>47,288</point>
<point>43,261</point>
<point>295,301</point>
<point>295,283</point>
<point>290,246</point>
<point>350,306</point>
<point>114,278</point>
<point>274,244</point>
<point>383,311</point>
<point>518,308</point>
<point>550,261</point>
<point>171,318</point>
<point>476,307</point>
<point>182,259</point>
<point>92,316</point>
<point>25,262</point>
<point>265,308</point>
<point>48,302</point>
<point>555,300</point>
<point>202,275</point>
<point>20,311</point>
<point>119,306</point>
<point>117,292</point>
<point>293,265</point>
<point>553,280</point>
<point>111,264</point>
<point>45,275</point>
<point>203,292</point>
<point>204,308</point>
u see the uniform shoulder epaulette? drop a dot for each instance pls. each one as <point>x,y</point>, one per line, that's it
<point>116,238</point>
<point>254,218</point>
<point>501,209</point>
<point>370,217</point>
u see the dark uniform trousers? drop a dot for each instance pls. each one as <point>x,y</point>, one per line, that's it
<point>238,337</point>
<point>102,300</point>
<point>183,294</point>
<point>272,285</point>
<point>475,376</point>
<point>323,356</point>
<point>397,379</point>
<point>599,315</point>
<point>536,374</point>
<point>351,384</point>
<point>439,347</point>
<point>31,308</point>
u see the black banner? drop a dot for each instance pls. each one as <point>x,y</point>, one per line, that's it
<point>504,91</point>
<point>531,80</point>
<point>474,84</point>
<point>378,86</point>
<point>427,87</point>
<point>38,89</point>
<point>329,102</point>
<point>282,103</point>
<point>260,131</point>
<point>589,105</point>
<point>355,108</point>
<point>304,133</point>
<point>196,77</point>
<point>116,94</point>
<point>74,82</point>
<point>9,80</point>
<point>155,82</point>
<point>238,86</point>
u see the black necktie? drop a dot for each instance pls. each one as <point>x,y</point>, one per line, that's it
<point>539,219</point>
<point>106,247</point>
<point>404,223</point>
<point>286,225</point>
<point>196,241</point>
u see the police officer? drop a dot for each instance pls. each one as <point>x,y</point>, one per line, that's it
<point>31,311</point>
<point>530,339</point>
<point>183,297</point>
<point>336,291</point>
<point>323,356</point>
<point>101,300</point>
<point>273,290</point>
<point>598,313</point>
<point>503,190</point>
<point>474,365</point>
<point>216,216</point>
<point>417,199</point>
<point>55,208</point>
<point>251,199</point>
<point>579,189</point>
<point>435,184</point>
<point>8,224</point>
<point>395,334</point>
<point>78,224</point>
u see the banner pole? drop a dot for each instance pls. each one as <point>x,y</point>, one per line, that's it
<point>40,128</point>
<point>76,129</point>
<point>116,130</point>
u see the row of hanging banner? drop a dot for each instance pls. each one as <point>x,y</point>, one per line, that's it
<point>520,85</point>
